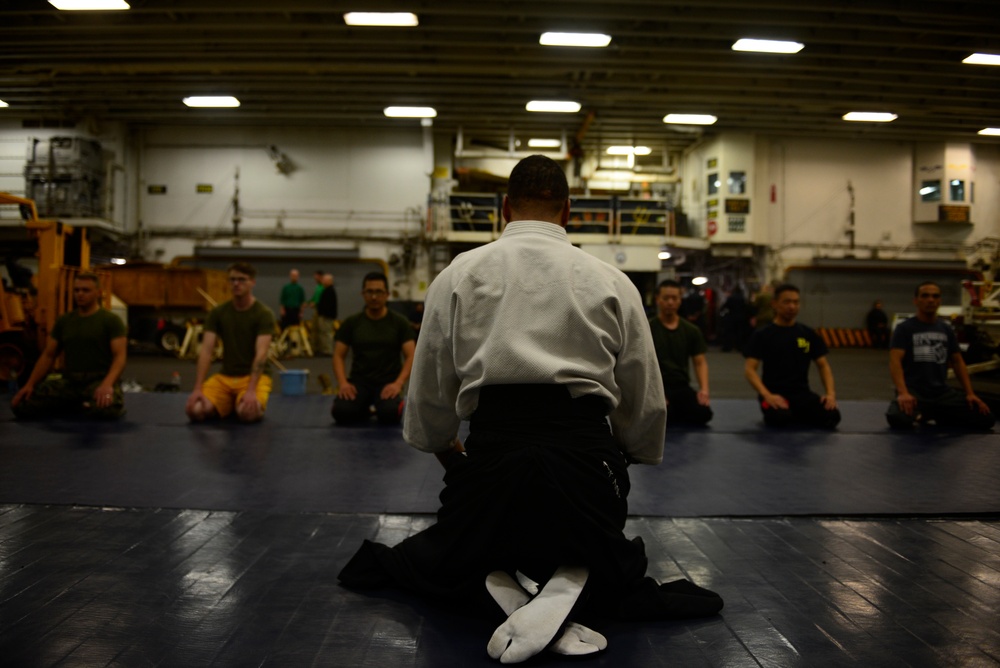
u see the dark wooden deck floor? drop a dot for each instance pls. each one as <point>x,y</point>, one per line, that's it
<point>154,543</point>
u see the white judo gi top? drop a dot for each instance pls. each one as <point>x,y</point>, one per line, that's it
<point>531,308</point>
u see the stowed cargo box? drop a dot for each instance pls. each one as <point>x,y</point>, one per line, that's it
<point>157,286</point>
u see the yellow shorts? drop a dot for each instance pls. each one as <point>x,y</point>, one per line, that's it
<point>226,391</point>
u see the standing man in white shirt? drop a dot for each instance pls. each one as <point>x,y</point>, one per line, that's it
<point>547,352</point>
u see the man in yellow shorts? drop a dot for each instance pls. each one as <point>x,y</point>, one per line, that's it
<point>245,327</point>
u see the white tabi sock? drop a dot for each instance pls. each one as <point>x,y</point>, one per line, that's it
<point>530,627</point>
<point>575,640</point>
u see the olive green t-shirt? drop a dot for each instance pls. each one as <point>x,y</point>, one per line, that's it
<point>238,331</point>
<point>376,346</point>
<point>86,339</point>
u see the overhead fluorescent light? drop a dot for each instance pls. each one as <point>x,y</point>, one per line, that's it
<point>85,5</point>
<point>544,143</point>
<point>767,45</point>
<point>211,101</point>
<point>699,280</point>
<point>992,132</point>
<point>3,104</point>
<point>410,112</point>
<point>663,255</point>
<point>690,119</point>
<point>629,150</point>
<point>870,116</point>
<point>553,106</point>
<point>592,40</point>
<point>983,59</point>
<point>386,19</point>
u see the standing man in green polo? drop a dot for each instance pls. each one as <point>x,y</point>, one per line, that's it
<point>293,300</point>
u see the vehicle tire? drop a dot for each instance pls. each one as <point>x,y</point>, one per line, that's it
<point>170,340</point>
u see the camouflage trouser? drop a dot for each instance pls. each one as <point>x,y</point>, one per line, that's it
<point>69,395</point>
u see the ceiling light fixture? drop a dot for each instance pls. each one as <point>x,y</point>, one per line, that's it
<point>384,19</point>
<point>544,143</point>
<point>767,45</point>
<point>699,280</point>
<point>553,106</point>
<point>3,104</point>
<point>663,255</point>
<point>88,5</point>
<point>591,40</point>
<point>991,132</point>
<point>983,59</point>
<point>211,101</point>
<point>870,116</point>
<point>629,150</point>
<point>410,112</point>
<point>690,119</point>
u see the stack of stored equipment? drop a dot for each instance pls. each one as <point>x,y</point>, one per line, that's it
<point>65,176</point>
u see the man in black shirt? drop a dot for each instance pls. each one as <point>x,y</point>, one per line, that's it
<point>381,343</point>
<point>786,348</point>
<point>326,314</point>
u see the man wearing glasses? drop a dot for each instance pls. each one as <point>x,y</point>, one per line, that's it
<point>922,348</point>
<point>382,344</point>
<point>245,326</point>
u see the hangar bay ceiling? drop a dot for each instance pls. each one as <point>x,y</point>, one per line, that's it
<point>479,63</point>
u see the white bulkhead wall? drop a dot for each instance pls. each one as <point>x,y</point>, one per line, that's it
<point>805,190</point>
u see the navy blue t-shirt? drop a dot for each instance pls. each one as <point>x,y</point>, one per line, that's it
<point>926,350</point>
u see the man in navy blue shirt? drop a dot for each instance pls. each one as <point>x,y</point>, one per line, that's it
<point>922,348</point>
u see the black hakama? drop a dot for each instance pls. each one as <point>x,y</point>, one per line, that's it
<point>542,485</point>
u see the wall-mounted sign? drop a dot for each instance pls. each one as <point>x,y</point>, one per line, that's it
<point>713,227</point>
<point>737,206</point>
<point>736,224</point>
<point>954,214</point>
<point>713,203</point>
<point>156,190</point>
<point>713,162</point>
<point>203,188</point>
